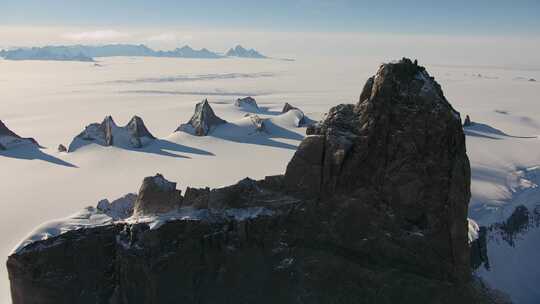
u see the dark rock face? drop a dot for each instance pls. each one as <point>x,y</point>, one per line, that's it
<point>108,133</point>
<point>372,209</point>
<point>203,120</point>
<point>479,254</point>
<point>62,148</point>
<point>76,267</point>
<point>398,154</point>
<point>137,130</point>
<point>157,195</point>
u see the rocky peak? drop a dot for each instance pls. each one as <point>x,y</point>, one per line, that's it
<point>203,120</point>
<point>247,102</point>
<point>157,195</point>
<point>401,147</point>
<point>107,133</point>
<point>287,107</point>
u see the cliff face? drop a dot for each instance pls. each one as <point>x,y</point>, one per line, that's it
<point>399,152</point>
<point>372,209</point>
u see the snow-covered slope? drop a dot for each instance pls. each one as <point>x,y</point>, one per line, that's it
<point>513,243</point>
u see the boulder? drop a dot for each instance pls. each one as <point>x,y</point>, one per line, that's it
<point>203,121</point>
<point>62,148</point>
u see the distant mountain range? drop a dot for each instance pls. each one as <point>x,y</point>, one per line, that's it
<point>88,53</point>
<point>239,51</point>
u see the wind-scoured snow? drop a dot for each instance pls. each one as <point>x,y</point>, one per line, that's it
<point>86,218</point>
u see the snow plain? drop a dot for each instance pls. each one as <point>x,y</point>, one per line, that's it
<point>53,101</point>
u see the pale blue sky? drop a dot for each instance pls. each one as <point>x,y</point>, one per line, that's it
<point>414,16</point>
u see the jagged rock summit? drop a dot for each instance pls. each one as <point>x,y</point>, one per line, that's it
<point>400,152</point>
<point>203,120</point>
<point>133,135</point>
<point>372,209</point>
<point>8,139</point>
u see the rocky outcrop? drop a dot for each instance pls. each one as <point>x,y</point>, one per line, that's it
<point>248,103</point>
<point>62,148</point>
<point>8,139</point>
<point>107,133</point>
<point>372,209</point>
<point>157,195</point>
<point>400,154</point>
<point>467,122</point>
<point>287,107</point>
<point>203,120</point>
<point>302,118</point>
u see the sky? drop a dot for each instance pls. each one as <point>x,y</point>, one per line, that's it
<point>494,32</point>
<point>411,17</point>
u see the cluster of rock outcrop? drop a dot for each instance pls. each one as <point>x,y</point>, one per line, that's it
<point>135,134</point>
<point>372,209</point>
<point>108,133</point>
<point>8,138</point>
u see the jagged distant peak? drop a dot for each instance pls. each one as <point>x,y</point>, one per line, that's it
<point>240,51</point>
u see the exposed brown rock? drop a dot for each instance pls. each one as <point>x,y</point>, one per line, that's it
<point>401,154</point>
<point>157,195</point>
